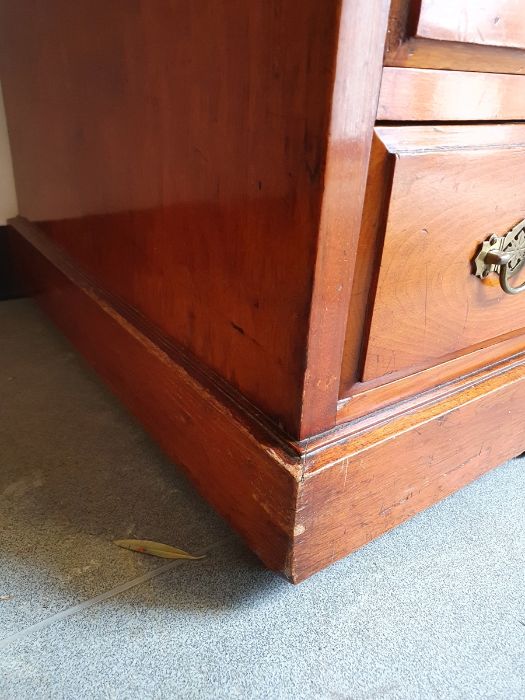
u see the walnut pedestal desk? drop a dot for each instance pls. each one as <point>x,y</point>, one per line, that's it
<point>289,234</point>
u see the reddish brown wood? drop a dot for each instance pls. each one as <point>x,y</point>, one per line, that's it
<point>392,147</point>
<point>242,468</point>
<point>375,211</point>
<point>428,303</point>
<point>384,397</point>
<point>428,53</point>
<point>177,151</point>
<point>300,506</point>
<point>414,94</point>
<point>491,22</point>
<point>198,173</point>
<point>354,106</point>
<point>402,23</point>
<point>363,486</point>
<point>407,46</point>
<point>201,186</point>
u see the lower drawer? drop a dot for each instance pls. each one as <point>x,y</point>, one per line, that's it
<point>436,193</point>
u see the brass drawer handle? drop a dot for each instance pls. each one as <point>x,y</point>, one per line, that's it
<point>502,260</point>
<point>504,255</point>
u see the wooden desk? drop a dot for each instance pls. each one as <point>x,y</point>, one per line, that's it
<point>260,227</point>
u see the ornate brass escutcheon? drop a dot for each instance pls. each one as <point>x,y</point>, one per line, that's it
<point>504,255</point>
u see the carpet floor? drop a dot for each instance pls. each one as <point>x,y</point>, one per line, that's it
<point>434,609</point>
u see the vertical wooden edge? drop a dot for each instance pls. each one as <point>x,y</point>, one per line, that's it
<point>375,212</point>
<point>402,23</point>
<point>357,81</point>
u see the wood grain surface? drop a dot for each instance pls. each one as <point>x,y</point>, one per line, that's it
<point>240,466</point>
<point>437,35</point>
<point>299,505</point>
<point>487,22</point>
<point>289,312</point>
<point>359,488</point>
<point>356,88</point>
<point>206,162</point>
<point>417,94</point>
<point>447,197</point>
<point>177,151</point>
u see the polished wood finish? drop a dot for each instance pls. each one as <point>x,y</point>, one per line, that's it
<point>242,468</point>
<point>428,304</point>
<point>367,403</point>
<point>410,22</point>
<point>219,212</point>
<point>189,183</point>
<point>414,94</point>
<point>356,89</point>
<point>299,505</point>
<point>490,22</point>
<point>426,53</point>
<point>363,486</point>
<point>258,157</point>
<point>450,353</point>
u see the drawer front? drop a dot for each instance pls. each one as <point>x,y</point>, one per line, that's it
<point>449,189</point>
<point>485,22</point>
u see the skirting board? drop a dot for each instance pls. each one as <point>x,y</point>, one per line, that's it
<point>299,506</point>
<point>8,289</point>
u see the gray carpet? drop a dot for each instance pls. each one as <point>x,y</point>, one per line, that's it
<point>434,609</point>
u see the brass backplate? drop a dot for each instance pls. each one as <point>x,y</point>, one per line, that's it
<point>512,243</point>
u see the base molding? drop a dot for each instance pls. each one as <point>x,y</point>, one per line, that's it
<point>299,505</point>
<point>8,285</point>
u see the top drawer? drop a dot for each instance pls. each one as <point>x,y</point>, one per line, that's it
<point>485,22</point>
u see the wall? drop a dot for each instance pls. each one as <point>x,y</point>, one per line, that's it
<point>8,203</point>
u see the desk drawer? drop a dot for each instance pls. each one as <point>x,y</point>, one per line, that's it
<point>484,36</point>
<point>449,188</point>
<point>489,23</point>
